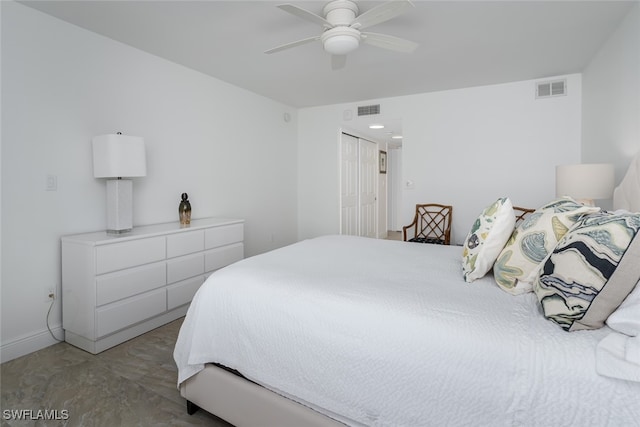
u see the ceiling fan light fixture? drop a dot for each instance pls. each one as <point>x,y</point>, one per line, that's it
<point>340,40</point>
<point>341,45</point>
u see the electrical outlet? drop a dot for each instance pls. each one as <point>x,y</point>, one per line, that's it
<point>51,293</point>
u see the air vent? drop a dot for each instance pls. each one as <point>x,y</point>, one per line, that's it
<point>367,110</point>
<point>551,88</point>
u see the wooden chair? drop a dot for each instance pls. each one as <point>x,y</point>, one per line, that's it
<point>431,224</point>
<point>521,213</point>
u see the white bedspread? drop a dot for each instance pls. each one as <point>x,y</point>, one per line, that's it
<point>387,333</point>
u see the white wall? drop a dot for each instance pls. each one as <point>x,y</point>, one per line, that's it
<point>611,98</point>
<point>463,147</point>
<point>228,148</point>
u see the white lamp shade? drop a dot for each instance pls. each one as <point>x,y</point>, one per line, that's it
<point>340,40</point>
<point>585,181</point>
<point>117,155</point>
<point>341,44</point>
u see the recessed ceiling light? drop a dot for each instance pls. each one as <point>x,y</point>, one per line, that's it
<point>396,137</point>
<point>376,126</point>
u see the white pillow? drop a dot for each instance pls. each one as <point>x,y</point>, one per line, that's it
<point>617,357</point>
<point>487,237</point>
<point>618,354</point>
<point>626,318</point>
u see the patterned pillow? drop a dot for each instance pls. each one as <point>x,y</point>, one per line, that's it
<point>488,235</point>
<point>533,240</point>
<point>591,271</point>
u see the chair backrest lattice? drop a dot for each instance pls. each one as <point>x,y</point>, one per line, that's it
<point>431,224</point>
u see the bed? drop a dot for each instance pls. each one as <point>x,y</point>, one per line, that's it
<point>343,330</point>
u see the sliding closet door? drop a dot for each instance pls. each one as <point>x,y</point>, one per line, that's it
<point>349,185</point>
<point>358,186</point>
<point>368,188</point>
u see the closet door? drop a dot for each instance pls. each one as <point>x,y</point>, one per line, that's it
<point>349,185</point>
<point>368,188</point>
<point>358,186</point>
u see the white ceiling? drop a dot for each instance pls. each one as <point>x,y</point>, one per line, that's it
<point>462,43</point>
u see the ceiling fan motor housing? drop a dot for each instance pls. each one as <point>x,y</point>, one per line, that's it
<point>340,12</point>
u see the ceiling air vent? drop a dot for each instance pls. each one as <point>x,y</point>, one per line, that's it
<point>551,88</point>
<point>367,110</point>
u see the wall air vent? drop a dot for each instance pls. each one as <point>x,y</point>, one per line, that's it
<point>551,88</point>
<point>367,110</point>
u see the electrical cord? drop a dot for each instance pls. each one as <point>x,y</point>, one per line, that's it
<point>53,300</point>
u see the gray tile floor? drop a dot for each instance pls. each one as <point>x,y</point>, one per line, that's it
<point>133,384</point>
<point>394,235</point>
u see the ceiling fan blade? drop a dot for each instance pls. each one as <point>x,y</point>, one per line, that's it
<point>305,14</point>
<point>389,42</point>
<point>338,61</point>
<point>381,13</point>
<point>292,44</point>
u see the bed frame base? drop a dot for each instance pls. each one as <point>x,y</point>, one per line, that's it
<point>244,403</point>
<point>192,408</point>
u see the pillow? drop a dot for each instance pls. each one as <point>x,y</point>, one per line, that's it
<point>486,239</point>
<point>618,356</point>
<point>533,240</point>
<point>626,318</point>
<point>591,271</point>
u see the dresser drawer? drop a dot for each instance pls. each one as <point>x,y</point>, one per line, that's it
<point>220,257</point>
<point>182,292</point>
<point>123,284</point>
<point>122,314</point>
<point>184,267</point>
<point>118,256</point>
<point>220,236</point>
<point>185,243</point>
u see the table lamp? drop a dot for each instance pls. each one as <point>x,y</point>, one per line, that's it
<point>116,156</point>
<point>585,182</point>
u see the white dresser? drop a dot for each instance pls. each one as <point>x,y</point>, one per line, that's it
<point>116,287</point>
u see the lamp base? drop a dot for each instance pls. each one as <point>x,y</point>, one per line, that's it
<point>119,206</point>
<point>116,232</point>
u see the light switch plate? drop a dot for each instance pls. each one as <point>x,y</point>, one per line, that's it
<point>51,183</point>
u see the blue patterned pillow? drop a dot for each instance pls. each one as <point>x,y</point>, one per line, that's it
<point>591,271</point>
<point>532,241</point>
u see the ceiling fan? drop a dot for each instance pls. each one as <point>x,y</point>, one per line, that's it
<point>342,27</point>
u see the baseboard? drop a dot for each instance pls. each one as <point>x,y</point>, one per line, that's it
<point>29,343</point>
